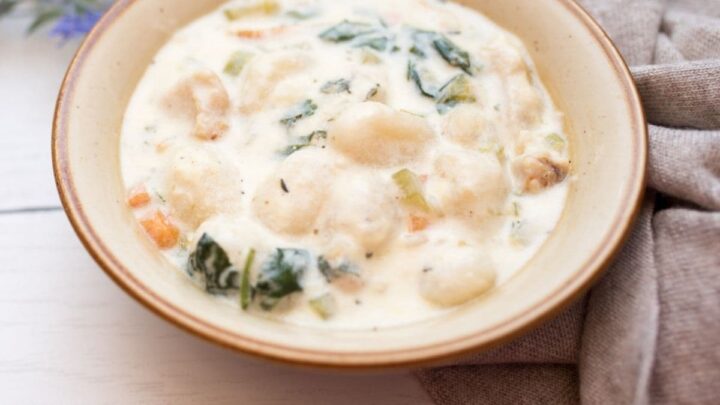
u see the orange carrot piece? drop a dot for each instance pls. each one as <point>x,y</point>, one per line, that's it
<point>161,230</point>
<point>139,197</point>
<point>259,34</point>
<point>418,223</point>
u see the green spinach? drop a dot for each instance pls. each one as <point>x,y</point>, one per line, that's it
<point>303,110</point>
<point>452,53</point>
<point>336,86</point>
<point>280,276</point>
<point>346,31</point>
<point>333,272</point>
<point>304,142</point>
<point>211,261</point>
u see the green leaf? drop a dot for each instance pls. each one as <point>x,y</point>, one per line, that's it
<point>303,110</point>
<point>245,287</point>
<point>457,90</point>
<point>304,142</point>
<point>333,272</point>
<point>346,31</point>
<point>379,43</point>
<point>280,275</point>
<point>237,62</point>
<point>336,86</point>
<point>6,6</point>
<point>211,261</point>
<point>44,17</point>
<point>422,78</point>
<point>452,53</point>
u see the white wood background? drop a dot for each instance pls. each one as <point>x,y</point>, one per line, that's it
<point>67,333</point>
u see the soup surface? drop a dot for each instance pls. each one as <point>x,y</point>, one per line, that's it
<point>345,163</point>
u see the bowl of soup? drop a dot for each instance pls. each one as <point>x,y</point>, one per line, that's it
<point>350,183</point>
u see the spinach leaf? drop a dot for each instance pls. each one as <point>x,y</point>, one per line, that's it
<point>452,53</point>
<point>280,275</point>
<point>303,142</point>
<point>421,79</point>
<point>210,260</point>
<point>457,90</point>
<point>421,42</point>
<point>336,86</point>
<point>334,272</point>
<point>346,31</point>
<point>245,287</point>
<point>303,110</point>
<point>378,43</point>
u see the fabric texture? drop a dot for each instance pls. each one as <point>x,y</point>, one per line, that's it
<point>649,331</point>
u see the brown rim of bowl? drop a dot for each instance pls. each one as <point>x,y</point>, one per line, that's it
<point>499,334</point>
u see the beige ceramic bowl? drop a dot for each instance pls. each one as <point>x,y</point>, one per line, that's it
<point>586,76</point>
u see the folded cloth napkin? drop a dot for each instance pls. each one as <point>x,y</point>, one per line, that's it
<point>649,331</point>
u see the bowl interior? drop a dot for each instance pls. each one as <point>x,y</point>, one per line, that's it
<point>585,76</point>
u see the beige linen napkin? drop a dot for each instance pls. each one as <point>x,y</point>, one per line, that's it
<point>649,331</point>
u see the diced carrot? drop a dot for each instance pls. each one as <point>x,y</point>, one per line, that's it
<point>138,197</point>
<point>161,230</point>
<point>259,34</point>
<point>418,223</point>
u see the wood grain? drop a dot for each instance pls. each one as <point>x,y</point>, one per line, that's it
<point>67,333</point>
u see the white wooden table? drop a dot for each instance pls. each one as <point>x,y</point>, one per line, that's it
<point>67,333</point>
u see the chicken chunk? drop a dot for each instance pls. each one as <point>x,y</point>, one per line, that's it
<point>537,173</point>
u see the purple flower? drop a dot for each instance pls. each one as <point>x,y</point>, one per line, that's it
<point>75,24</point>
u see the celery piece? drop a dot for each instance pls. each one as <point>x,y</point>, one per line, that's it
<point>411,187</point>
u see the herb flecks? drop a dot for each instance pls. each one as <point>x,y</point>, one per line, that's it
<point>332,272</point>
<point>346,31</point>
<point>452,53</point>
<point>284,186</point>
<point>303,110</point>
<point>422,78</point>
<point>336,86</point>
<point>304,142</point>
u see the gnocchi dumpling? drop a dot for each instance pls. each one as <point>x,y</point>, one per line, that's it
<point>526,104</point>
<point>203,98</point>
<point>372,133</point>
<point>291,198</point>
<point>466,125</point>
<point>201,183</point>
<point>361,207</point>
<point>468,184</point>
<point>265,81</point>
<point>462,274</point>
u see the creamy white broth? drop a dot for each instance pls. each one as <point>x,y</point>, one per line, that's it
<point>227,187</point>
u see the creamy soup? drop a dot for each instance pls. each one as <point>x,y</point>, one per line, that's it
<point>345,163</point>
